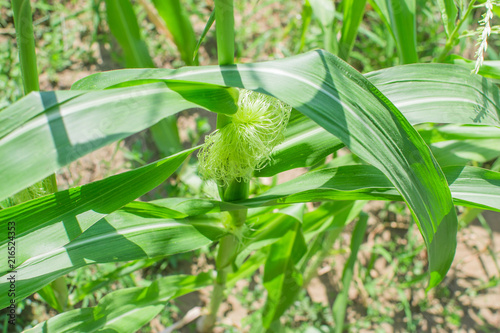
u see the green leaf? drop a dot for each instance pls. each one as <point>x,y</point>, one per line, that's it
<point>340,305</point>
<point>177,20</point>
<point>281,278</point>
<point>324,10</point>
<point>474,187</point>
<point>353,14</point>
<point>489,68</point>
<point>63,126</point>
<point>439,93</point>
<point>247,269</point>
<point>422,92</point>
<point>209,24</point>
<point>267,229</point>
<point>329,216</point>
<point>46,223</point>
<point>433,134</point>
<point>125,310</point>
<point>449,14</point>
<point>306,144</point>
<point>470,186</point>
<point>400,18</point>
<point>117,237</point>
<point>123,24</point>
<point>56,294</point>
<point>306,16</point>
<point>191,206</point>
<point>347,105</point>
<point>23,22</point>
<point>462,152</point>
<point>102,281</point>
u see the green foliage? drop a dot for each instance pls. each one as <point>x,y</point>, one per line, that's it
<point>123,25</point>
<point>177,20</point>
<point>421,137</point>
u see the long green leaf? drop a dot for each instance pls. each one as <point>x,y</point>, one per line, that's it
<point>340,305</point>
<point>440,133</point>
<point>489,68</point>
<point>461,152</point>
<point>452,89</point>
<point>23,21</point>
<point>188,206</point>
<point>208,25</point>
<point>448,14</point>
<point>324,11</point>
<point>125,310</point>
<point>306,16</point>
<point>353,14</point>
<point>329,216</point>
<point>61,127</point>
<point>123,24</point>
<point>439,93</point>
<point>281,277</point>
<point>470,186</point>
<point>177,20</point>
<point>400,18</point>
<point>268,228</point>
<point>54,220</point>
<point>347,105</point>
<point>306,144</point>
<point>118,237</point>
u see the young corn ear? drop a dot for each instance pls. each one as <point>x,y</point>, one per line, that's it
<point>246,142</point>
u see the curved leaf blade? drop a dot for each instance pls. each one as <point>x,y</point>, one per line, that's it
<point>57,132</point>
<point>448,14</point>
<point>439,93</point>
<point>456,97</point>
<point>46,223</point>
<point>470,186</point>
<point>371,127</point>
<point>400,18</point>
<point>122,22</point>
<point>282,279</point>
<point>125,310</point>
<point>177,20</point>
<point>353,15</point>
<point>119,236</point>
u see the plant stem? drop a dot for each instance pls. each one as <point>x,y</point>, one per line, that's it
<point>23,22</point>
<point>236,189</point>
<point>228,248</point>
<point>224,29</point>
<point>26,44</point>
<point>450,42</point>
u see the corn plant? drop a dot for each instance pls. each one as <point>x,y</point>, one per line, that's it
<point>123,25</point>
<point>271,117</point>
